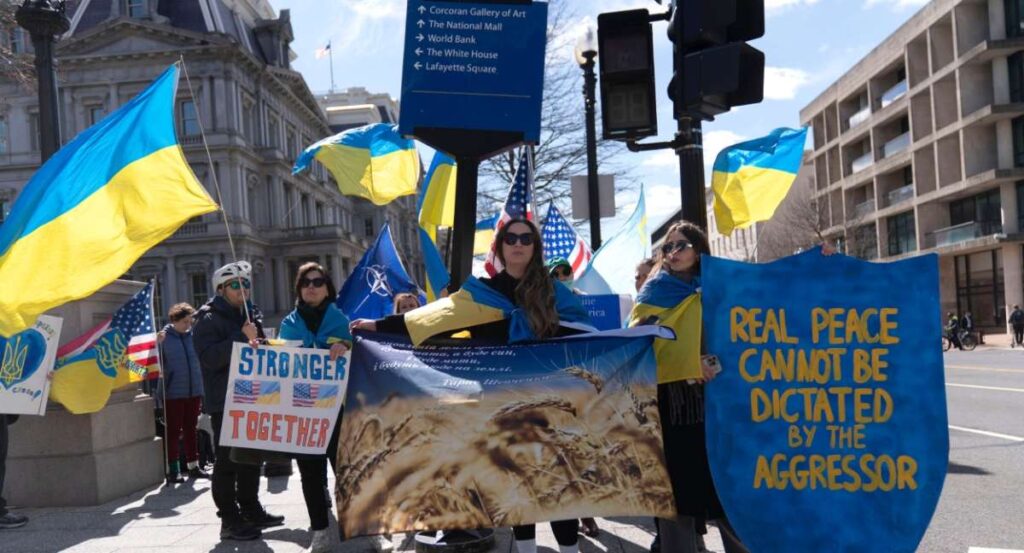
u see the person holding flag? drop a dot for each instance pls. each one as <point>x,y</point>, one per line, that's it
<point>183,391</point>
<point>519,303</point>
<point>224,320</point>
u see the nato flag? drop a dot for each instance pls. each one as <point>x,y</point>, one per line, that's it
<point>369,292</point>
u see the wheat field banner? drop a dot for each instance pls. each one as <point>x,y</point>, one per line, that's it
<point>283,398</point>
<point>457,435</point>
<point>26,360</point>
<point>826,429</point>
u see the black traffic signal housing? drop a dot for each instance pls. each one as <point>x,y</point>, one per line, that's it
<point>626,60</point>
<point>714,69</point>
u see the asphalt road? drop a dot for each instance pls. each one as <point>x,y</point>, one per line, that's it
<point>982,503</point>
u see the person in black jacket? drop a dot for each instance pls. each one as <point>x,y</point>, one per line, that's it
<point>526,283</point>
<point>224,320</point>
<point>1017,323</point>
<point>8,519</point>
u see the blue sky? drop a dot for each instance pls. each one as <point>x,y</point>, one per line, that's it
<point>807,44</point>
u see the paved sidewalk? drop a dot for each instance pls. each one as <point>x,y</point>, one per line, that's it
<point>183,520</point>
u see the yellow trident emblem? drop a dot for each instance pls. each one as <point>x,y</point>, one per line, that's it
<point>13,363</point>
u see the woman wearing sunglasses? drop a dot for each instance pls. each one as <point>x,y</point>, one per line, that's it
<point>317,323</point>
<point>524,290</point>
<point>673,279</point>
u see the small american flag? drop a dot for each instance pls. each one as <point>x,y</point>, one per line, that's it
<point>561,240</point>
<point>323,52</point>
<point>135,320</point>
<point>314,395</point>
<point>247,391</point>
<point>518,205</point>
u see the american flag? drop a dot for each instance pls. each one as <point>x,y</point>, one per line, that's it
<point>561,240</point>
<point>518,205</point>
<point>323,52</point>
<point>251,391</point>
<point>135,320</point>
<point>314,395</point>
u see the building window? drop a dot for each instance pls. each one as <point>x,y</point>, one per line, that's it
<point>33,132</point>
<point>293,143</point>
<point>248,118</point>
<point>188,118</point>
<point>980,288</point>
<point>3,135</point>
<point>320,220</point>
<point>159,312</point>
<point>16,37</point>
<point>96,114</point>
<point>368,228</point>
<point>274,132</point>
<point>984,209</point>
<point>135,8</point>
<point>1015,65</point>
<point>1018,141</point>
<point>3,210</point>
<point>1014,18</point>
<point>1020,206</point>
<point>198,290</point>
<point>864,242</point>
<point>902,234</point>
<point>307,220</point>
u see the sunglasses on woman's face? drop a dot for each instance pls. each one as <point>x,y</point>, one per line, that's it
<point>235,285</point>
<point>525,239</point>
<point>671,247</point>
<point>315,282</point>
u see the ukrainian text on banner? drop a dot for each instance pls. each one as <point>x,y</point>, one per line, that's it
<point>458,436</point>
<point>26,359</point>
<point>283,399</point>
<point>827,426</point>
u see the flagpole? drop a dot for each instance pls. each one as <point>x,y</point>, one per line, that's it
<point>330,52</point>
<point>160,368</point>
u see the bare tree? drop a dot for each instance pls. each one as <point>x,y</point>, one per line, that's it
<point>15,67</point>
<point>562,151</point>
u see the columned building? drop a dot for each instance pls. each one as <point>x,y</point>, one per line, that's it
<point>256,112</point>
<point>919,148</point>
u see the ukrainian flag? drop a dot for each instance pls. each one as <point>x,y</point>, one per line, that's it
<point>270,393</point>
<point>476,304</point>
<point>752,178</point>
<point>668,301</point>
<point>373,162</point>
<point>437,274</point>
<point>484,236</point>
<point>437,198</point>
<point>115,191</point>
<point>327,396</point>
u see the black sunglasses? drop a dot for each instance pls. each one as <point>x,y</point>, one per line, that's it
<point>316,282</point>
<point>669,247</point>
<point>525,238</point>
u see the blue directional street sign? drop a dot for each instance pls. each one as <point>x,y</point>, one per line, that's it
<point>474,66</point>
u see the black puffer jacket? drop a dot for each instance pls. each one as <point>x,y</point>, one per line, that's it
<point>218,326</point>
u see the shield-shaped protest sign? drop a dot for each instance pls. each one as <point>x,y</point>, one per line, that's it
<point>827,427</point>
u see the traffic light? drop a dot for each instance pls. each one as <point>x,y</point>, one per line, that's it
<point>626,54</point>
<point>714,69</point>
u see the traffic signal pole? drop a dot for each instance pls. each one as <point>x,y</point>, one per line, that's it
<point>689,146</point>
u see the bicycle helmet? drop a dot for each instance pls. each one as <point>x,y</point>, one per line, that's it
<point>231,271</point>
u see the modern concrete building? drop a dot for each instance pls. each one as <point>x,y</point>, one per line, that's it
<point>257,114</point>
<point>356,107</point>
<point>919,148</point>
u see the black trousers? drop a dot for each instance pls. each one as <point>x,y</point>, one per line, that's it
<point>235,486</point>
<point>565,531</point>
<point>313,471</point>
<point>3,462</point>
<point>1018,333</point>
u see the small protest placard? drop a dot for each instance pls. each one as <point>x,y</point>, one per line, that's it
<point>26,359</point>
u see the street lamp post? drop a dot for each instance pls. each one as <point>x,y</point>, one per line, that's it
<point>44,19</point>
<point>586,54</point>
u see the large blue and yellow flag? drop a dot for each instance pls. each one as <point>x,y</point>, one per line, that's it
<point>115,191</point>
<point>752,178</point>
<point>611,269</point>
<point>668,301</point>
<point>372,162</point>
<point>477,303</point>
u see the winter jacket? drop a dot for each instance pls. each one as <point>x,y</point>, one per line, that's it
<point>1017,317</point>
<point>218,326</point>
<point>332,328</point>
<point>183,377</point>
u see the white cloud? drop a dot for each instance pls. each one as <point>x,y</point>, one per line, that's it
<point>783,83</point>
<point>896,4</point>
<point>377,9</point>
<point>778,5</point>
<point>662,158</point>
<point>715,142</point>
<point>661,200</point>
<point>361,26</point>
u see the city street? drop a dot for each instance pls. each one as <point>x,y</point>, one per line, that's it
<point>982,506</point>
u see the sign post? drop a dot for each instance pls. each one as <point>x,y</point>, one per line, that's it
<point>472,87</point>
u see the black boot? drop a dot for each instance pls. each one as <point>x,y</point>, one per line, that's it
<point>174,478</point>
<point>238,530</point>
<point>261,518</point>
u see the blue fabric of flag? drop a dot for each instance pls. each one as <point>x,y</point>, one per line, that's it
<point>369,291</point>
